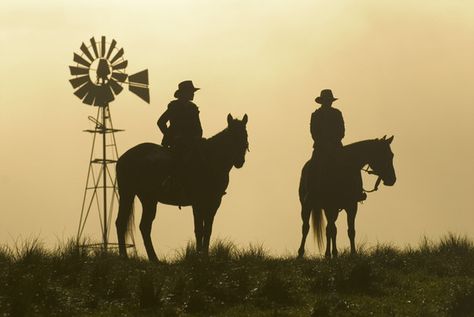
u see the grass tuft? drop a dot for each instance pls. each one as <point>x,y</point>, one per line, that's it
<point>222,250</point>
<point>455,244</point>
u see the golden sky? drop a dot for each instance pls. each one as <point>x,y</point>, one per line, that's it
<point>402,68</point>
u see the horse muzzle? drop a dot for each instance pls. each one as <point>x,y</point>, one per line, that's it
<point>239,163</point>
<point>390,182</point>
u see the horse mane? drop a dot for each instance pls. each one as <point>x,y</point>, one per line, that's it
<point>218,137</point>
<point>357,150</point>
<point>212,144</point>
<point>358,144</point>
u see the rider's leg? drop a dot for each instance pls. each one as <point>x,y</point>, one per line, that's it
<point>361,195</point>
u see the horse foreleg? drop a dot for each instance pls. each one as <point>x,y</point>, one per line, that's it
<point>208,221</point>
<point>209,215</point>
<point>149,212</point>
<point>198,227</point>
<point>123,216</point>
<point>331,232</point>
<point>351,214</point>
<point>305,215</point>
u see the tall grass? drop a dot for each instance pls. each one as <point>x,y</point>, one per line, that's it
<point>434,279</point>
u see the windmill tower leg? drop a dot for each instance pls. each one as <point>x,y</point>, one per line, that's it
<point>104,172</point>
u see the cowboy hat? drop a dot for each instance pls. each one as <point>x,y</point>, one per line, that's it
<point>325,95</point>
<point>185,86</point>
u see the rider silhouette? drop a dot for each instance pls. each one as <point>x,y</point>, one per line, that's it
<point>183,117</point>
<point>327,125</point>
<point>183,133</point>
<point>327,130</point>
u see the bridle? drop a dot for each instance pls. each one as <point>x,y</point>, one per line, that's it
<point>377,182</point>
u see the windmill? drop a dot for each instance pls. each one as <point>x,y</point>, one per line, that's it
<point>98,77</point>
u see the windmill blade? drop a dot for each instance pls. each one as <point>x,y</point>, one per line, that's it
<point>121,77</point>
<point>89,99</point>
<point>102,47</point>
<point>143,93</point>
<point>103,96</point>
<point>79,81</point>
<point>111,48</point>
<point>81,92</point>
<point>94,46</point>
<point>117,56</point>
<point>139,78</point>
<point>86,52</point>
<point>78,70</point>
<point>115,86</point>
<point>78,59</point>
<point>121,65</point>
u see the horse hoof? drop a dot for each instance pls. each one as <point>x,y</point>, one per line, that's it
<point>154,260</point>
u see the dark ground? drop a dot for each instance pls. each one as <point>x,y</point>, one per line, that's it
<point>435,279</point>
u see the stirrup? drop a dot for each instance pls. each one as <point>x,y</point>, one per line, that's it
<point>362,197</point>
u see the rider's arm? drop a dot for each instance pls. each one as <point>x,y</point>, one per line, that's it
<point>314,126</point>
<point>163,120</point>
<point>198,123</point>
<point>341,128</point>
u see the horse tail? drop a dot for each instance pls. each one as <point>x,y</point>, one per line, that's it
<point>318,225</point>
<point>316,213</point>
<point>125,218</point>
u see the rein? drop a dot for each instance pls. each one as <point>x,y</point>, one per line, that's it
<point>377,182</point>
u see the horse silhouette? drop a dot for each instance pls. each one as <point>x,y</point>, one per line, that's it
<point>343,190</point>
<point>143,169</point>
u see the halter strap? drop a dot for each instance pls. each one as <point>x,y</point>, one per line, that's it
<point>377,182</point>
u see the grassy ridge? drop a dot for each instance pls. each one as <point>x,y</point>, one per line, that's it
<point>435,279</point>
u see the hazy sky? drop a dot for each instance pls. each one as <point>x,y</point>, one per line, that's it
<point>403,68</point>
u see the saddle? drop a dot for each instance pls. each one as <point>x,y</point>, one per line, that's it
<point>333,182</point>
<point>185,165</point>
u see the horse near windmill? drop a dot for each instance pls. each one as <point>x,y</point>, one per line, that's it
<point>143,170</point>
<point>343,190</point>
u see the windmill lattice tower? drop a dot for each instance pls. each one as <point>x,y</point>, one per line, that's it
<point>99,76</point>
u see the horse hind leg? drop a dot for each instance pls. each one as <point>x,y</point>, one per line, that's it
<point>148,215</point>
<point>305,215</point>
<point>334,234</point>
<point>198,227</point>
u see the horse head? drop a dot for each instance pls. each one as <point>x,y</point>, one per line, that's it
<point>239,145</point>
<point>381,162</point>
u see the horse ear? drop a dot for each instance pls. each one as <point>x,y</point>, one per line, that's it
<point>390,139</point>
<point>384,137</point>
<point>229,118</point>
<point>245,119</point>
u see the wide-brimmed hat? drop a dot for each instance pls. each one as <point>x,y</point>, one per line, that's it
<point>185,86</point>
<point>325,95</point>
